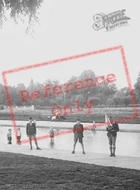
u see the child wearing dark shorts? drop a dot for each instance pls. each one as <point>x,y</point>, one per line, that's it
<point>9,136</point>
<point>78,135</point>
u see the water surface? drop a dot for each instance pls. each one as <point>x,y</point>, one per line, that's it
<point>128,143</point>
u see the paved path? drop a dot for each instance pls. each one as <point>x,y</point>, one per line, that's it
<point>69,125</point>
<point>90,158</point>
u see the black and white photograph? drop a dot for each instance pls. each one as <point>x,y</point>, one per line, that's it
<point>69,95</point>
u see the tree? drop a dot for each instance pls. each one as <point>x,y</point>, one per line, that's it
<point>18,89</point>
<point>134,95</point>
<point>125,91</point>
<point>118,100</point>
<point>137,88</point>
<point>59,101</point>
<point>110,102</point>
<point>127,100</point>
<point>12,96</point>
<point>2,95</point>
<point>105,91</point>
<point>112,88</point>
<point>87,74</point>
<point>20,10</point>
<point>92,88</point>
<point>96,100</point>
<point>31,84</point>
<point>80,99</point>
<point>74,91</point>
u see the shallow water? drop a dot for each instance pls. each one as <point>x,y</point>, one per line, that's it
<point>128,143</point>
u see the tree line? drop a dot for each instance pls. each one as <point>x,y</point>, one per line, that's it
<point>106,94</point>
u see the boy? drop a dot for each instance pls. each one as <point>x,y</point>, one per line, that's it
<point>31,133</point>
<point>112,135</point>
<point>78,135</point>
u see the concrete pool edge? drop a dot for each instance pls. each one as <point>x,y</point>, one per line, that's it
<point>89,158</point>
<point>69,128</point>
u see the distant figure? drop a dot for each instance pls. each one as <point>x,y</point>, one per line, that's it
<point>93,127</point>
<point>18,136</point>
<point>78,135</point>
<point>48,117</point>
<point>57,118</point>
<point>53,118</point>
<point>112,135</point>
<point>57,114</point>
<point>31,133</point>
<point>9,136</point>
<point>51,137</point>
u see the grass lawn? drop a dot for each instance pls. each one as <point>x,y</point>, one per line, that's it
<point>22,172</point>
<point>97,114</point>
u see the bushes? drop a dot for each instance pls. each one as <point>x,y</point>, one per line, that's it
<point>127,100</point>
<point>110,102</point>
<point>118,100</point>
<point>1,107</point>
<point>96,100</point>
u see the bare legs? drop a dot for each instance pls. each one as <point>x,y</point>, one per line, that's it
<point>52,142</point>
<point>82,145</point>
<point>30,141</point>
<point>112,145</point>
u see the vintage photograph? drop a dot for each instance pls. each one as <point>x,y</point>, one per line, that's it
<point>69,95</point>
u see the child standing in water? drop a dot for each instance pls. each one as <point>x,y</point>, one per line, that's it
<point>9,136</point>
<point>52,137</point>
<point>18,136</point>
<point>93,127</point>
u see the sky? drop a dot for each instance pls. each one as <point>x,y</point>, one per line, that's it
<point>66,30</point>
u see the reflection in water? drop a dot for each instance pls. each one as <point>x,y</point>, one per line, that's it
<point>93,132</point>
<point>52,142</point>
<point>127,144</point>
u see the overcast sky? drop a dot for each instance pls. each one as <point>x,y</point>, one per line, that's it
<point>66,30</point>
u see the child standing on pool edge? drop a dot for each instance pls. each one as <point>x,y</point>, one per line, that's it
<point>9,136</point>
<point>112,135</point>
<point>18,136</point>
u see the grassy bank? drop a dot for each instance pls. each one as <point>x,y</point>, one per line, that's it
<point>97,114</point>
<point>22,172</point>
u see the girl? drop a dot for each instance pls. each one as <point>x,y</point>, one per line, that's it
<point>9,136</point>
<point>18,136</point>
